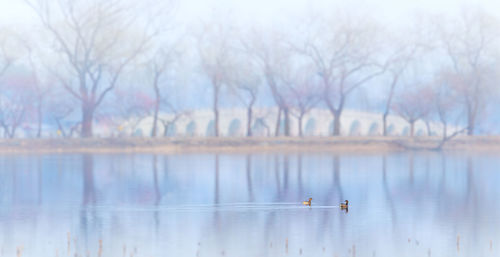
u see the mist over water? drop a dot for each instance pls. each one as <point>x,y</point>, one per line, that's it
<point>239,75</point>
<point>401,204</point>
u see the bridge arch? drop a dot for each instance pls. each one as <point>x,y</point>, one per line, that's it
<point>317,122</point>
<point>260,128</point>
<point>406,131</point>
<point>234,128</point>
<point>191,129</point>
<point>355,129</point>
<point>331,128</point>
<point>138,133</point>
<point>390,130</point>
<point>310,128</point>
<point>170,130</point>
<point>374,129</point>
<point>210,131</point>
<point>282,126</point>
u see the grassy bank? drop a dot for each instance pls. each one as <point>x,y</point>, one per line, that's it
<point>312,144</point>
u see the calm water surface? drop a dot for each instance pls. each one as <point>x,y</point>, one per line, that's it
<point>404,204</point>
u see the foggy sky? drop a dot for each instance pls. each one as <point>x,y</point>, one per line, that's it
<point>16,11</point>
<point>266,12</point>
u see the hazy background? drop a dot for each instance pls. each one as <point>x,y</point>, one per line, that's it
<point>184,19</point>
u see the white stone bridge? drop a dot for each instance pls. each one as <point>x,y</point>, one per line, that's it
<point>233,122</point>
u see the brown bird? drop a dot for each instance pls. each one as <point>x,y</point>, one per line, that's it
<point>308,202</point>
<point>344,205</point>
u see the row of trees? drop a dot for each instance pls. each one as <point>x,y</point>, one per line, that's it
<point>91,54</point>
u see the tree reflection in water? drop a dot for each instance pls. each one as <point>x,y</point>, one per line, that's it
<point>88,214</point>
<point>156,186</point>
<point>89,196</point>
<point>249,205</point>
<point>248,167</point>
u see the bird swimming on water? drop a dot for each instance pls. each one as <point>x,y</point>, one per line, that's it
<point>344,205</point>
<point>307,202</point>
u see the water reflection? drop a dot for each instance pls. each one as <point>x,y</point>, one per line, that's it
<point>248,165</point>
<point>89,196</point>
<point>404,204</point>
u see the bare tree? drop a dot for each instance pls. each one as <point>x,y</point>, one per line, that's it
<point>215,48</point>
<point>470,44</point>
<point>41,85</point>
<point>402,53</point>
<point>445,99</point>
<point>160,60</point>
<point>446,106</point>
<point>16,104</point>
<point>273,57</point>
<point>250,88</point>
<point>159,66</point>
<point>12,110</point>
<point>169,122</point>
<point>95,41</point>
<point>11,117</point>
<point>61,113</point>
<point>344,52</point>
<point>413,105</point>
<point>6,58</point>
<point>304,94</point>
<point>132,106</point>
<point>244,82</point>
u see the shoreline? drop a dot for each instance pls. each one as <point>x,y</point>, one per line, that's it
<point>349,144</point>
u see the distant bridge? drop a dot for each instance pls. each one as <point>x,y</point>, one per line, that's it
<point>233,123</point>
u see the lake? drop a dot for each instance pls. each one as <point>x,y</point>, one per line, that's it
<point>400,204</point>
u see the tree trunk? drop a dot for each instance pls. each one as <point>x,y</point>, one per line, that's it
<point>87,119</point>
<point>157,109</point>
<point>428,125</point>
<point>384,123</point>
<point>336,112</point>
<point>470,125</point>
<point>216,122</point>
<point>336,124</point>
<point>60,128</point>
<point>445,130</point>
<point>40,118</point>
<point>278,123</point>
<point>250,115</point>
<point>165,129</point>
<point>216,109</point>
<point>389,101</point>
<point>300,124</point>
<point>412,128</point>
<point>6,132</point>
<point>286,112</point>
<point>249,121</point>
<point>13,131</point>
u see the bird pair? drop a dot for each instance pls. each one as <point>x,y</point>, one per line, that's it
<point>344,205</point>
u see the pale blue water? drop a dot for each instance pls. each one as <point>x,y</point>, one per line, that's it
<point>403,204</point>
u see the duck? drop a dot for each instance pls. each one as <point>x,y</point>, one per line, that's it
<point>307,202</point>
<point>344,205</point>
